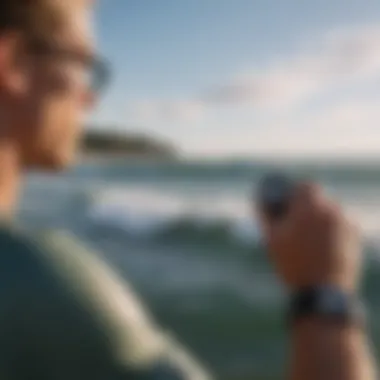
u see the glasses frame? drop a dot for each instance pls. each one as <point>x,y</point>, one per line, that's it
<point>99,66</point>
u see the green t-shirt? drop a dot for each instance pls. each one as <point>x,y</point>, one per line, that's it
<point>64,314</point>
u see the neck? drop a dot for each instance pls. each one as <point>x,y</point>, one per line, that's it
<point>10,173</point>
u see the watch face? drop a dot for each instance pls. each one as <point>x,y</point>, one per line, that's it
<point>331,302</point>
<point>276,188</point>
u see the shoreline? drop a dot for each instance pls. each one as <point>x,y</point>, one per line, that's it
<point>104,157</point>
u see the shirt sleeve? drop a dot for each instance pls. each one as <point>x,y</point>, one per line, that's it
<point>73,318</point>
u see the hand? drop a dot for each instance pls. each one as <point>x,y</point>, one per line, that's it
<point>314,244</point>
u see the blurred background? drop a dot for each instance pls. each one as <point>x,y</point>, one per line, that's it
<point>207,96</point>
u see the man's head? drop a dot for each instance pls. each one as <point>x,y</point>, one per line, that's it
<point>46,60</point>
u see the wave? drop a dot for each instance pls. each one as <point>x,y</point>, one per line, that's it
<point>224,221</point>
<point>196,211</point>
<point>167,219</point>
<point>338,174</point>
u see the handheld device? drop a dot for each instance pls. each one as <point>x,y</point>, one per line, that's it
<point>274,195</point>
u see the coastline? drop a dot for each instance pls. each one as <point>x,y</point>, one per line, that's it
<point>115,157</point>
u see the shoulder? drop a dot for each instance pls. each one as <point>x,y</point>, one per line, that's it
<point>18,255</point>
<point>68,299</point>
<point>83,294</point>
<point>29,257</point>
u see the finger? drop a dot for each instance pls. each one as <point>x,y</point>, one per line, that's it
<point>308,197</point>
<point>266,225</point>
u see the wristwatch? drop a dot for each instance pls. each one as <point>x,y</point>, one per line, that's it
<point>327,303</point>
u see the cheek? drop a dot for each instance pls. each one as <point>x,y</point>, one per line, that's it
<point>63,121</point>
<point>49,119</point>
<point>54,129</point>
<point>62,107</point>
<point>59,134</point>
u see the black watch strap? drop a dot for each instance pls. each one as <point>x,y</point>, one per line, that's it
<point>327,303</point>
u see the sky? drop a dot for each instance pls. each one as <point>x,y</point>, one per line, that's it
<point>270,78</point>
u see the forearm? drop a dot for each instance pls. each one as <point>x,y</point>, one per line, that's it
<point>327,351</point>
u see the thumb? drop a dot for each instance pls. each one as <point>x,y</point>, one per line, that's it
<point>269,227</point>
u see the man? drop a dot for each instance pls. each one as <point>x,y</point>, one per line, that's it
<point>64,314</point>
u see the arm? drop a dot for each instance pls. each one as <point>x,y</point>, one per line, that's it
<point>312,246</point>
<point>322,350</point>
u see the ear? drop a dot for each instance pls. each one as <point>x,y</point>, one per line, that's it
<point>13,79</point>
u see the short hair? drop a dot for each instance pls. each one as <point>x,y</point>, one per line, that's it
<point>36,19</point>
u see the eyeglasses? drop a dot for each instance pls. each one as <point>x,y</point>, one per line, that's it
<point>97,68</point>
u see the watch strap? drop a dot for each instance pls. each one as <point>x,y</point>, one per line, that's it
<point>328,303</point>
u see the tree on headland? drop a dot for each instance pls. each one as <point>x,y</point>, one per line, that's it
<point>96,142</point>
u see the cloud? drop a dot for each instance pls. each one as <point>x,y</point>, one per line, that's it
<point>343,130</point>
<point>340,56</point>
<point>177,111</point>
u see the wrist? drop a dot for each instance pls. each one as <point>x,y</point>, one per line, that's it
<point>325,305</point>
<point>351,287</point>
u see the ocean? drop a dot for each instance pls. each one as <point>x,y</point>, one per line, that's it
<point>184,235</point>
